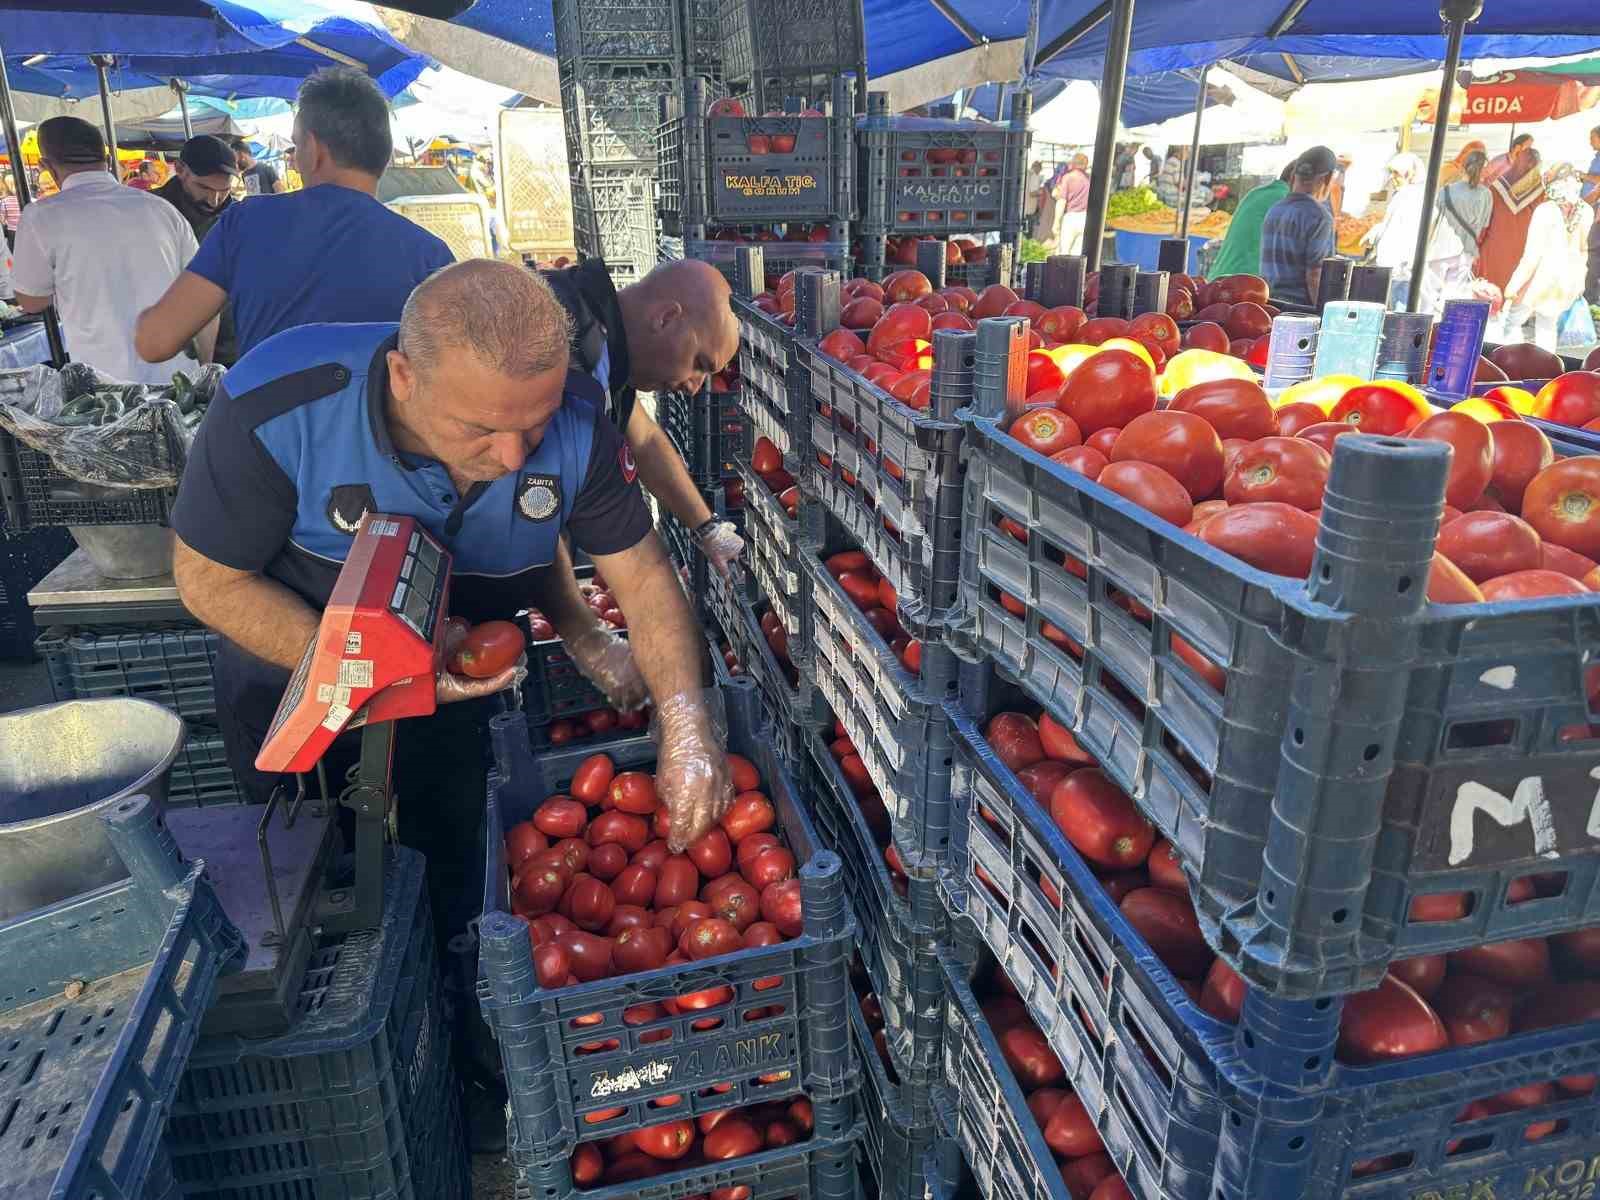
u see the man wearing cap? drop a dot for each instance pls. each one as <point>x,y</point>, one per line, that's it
<point>100,252</point>
<point>1298,232</point>
<point>201,189</point>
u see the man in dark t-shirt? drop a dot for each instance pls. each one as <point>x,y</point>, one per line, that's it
<point>330,253</point>
<point>259,178</point>
<point>201,189</point>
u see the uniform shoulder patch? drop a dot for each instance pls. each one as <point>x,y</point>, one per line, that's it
<point>630,469</point>
<point>538,497</point>
<point>347,504</point>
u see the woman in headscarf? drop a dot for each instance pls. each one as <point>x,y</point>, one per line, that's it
<point>1550,276</point>
<point>1515,194</point>
<point>1457,166</point>
<point>1463,213</point>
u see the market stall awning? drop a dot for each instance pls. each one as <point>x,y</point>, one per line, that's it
<point>1532,94</point>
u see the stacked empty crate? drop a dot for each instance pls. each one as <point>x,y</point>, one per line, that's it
<point>926,177</point>
<point>616,61</point>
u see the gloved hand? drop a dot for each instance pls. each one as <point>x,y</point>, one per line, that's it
<point>448,688</point>
<point>607,662</point>
<point>692,773</point>
<point>720,542</point>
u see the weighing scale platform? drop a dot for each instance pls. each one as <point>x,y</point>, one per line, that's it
<point>75,593</point>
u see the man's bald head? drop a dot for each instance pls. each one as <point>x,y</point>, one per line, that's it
<point>680,327</point>
<point>479,371</point>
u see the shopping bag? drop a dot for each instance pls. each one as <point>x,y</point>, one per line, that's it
<point>1575,328</point>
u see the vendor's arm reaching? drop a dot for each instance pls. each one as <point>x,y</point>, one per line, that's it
<point>191,306</point>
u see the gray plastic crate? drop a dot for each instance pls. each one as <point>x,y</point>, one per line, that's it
<point>613,217</point>
<point>615,30</point>
<point>103,995</point>
<point>611,110</point>
<point>899,1132</point>
<point>168,664</point>
<point>25,559</point>
<point>775,49</point>
<point>779,168</point>
<point>201,776</point>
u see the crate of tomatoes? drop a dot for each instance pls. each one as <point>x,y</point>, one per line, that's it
<point>899,916</point>
<point>705,427</point>
<point>561,704</point>
<point>886,380</point>
<point>773,531</point>
<point>1473,1069</point>
<point>1024,1133</point>
<point>639,995</point>
<point>1355,695</point>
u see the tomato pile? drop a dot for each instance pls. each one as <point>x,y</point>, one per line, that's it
<point>766,460</point>
<point>1425,1004</point>
<point>600,722</point>
<point>712,1137</point>
<point>871,592</point>
<point>869,803</point>
<point>761,143</point>
<point>1067,1125</point>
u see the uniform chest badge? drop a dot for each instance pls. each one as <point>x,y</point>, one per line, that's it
<point>347,504</point>
<point>539,497</point>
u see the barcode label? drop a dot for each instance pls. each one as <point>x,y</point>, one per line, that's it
<point>355,673</point>
<point>383,528</point>
<point>352,643</point>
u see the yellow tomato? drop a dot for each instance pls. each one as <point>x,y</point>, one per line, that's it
<point>1189,367</point>
<point>1069,355</point>
<point>1324,392</point>
<point>1131,346</point>
<point>1521,400</point>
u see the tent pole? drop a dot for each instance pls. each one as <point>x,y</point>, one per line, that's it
<point>1112,79</point>
<point>1456,14</point>
<point>19,173</point>
<point>101,62</point>
<point>182,90</point>
<point>1193,167</point>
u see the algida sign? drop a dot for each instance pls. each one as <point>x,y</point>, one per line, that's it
<point>778,186</point>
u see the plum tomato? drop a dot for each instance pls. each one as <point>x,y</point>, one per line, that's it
<point>1472,457</point>
<point>1047,430</point>
<point>1085,460</point>
<point>1475,1009</point>
<point>1291,470</point>
<point>1070,1131</point>
<point>1489,544</point>
<point>487,650</point>
<point>593,778</point>
<point>560,817</point>
<point>634,792</point>
<point>1389,1022</point>
<point>1563,503</point>
<point>1222,995</point>
<point>1521,451</point>
<point>1180,443</point>
<point>1529,585</point>
<point>782,904</point>
<point>1030,1058</point>
<point>1271,536</point>
<point>1235,408</point>
<point>1296,416</point>
<point>1015,739</point>
<point>1100,820</point>
<point>1381,408</point>
<point>712,853</point>
<point>1167,921</point>
<point>751,813</point>
<point>1108,389</point>
<point>1151,488</point>
<point>1448,584</point>
<point>1057,742</point>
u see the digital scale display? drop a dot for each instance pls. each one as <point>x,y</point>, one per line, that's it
<point>377,649</point>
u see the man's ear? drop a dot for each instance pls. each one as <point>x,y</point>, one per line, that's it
<point>402,376</point>
<point>668,314</point>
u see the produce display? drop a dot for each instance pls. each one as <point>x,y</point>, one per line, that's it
<point>1165,221</point>
<point>1133,202</point>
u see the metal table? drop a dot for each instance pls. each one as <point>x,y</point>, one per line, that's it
<point>76,594</point>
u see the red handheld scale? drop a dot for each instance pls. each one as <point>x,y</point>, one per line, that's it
<point>378,649</point>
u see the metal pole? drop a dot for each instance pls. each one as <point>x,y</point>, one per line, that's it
<point>1456,14</point>
<point>19,173</point>
<point>182,90</point>
<point>1113,75</point>
<point>1194,155</point>
<point>1030,43</point>
<point>101,62</point>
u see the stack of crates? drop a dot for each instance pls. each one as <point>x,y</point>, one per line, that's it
<point>616,62</point>
<point>169,664</point>
<point>926,177</point>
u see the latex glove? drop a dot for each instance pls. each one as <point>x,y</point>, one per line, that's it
<point>720,542</point>
<point>692,773</point>
<point>448,688</point>
<point>606,661</point>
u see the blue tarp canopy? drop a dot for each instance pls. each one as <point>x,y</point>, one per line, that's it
<point>219,47</point>
<point>1146,99</point>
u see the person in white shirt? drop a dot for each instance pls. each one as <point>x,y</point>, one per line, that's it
<point>101,252</point>
<point>1394,238</point>
<point>1550,276</point>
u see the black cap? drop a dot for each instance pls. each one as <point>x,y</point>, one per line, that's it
<point>1318,160</point>
<point>209,155</point>
<point>71,141</point>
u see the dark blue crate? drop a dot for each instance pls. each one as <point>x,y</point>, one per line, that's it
<point>772,550</point>
<point>168,664</point>
<point>750,180</point>
<point>896,719</point>
<point>706,430</point>
<point>201,775</point>
<point>1192,1108</point>
<point>1313,801</point>
<point>820,1168</point>
<point>896,934</point>
<point>101,998</point>
<point>555,687</point>
<point>899,1131</point>
<point>772,390</point>
<point>796,251</point>
<point>924,175</point>
<point>616,29</point>
<point>555,1087</point>
<point>343,1102</point>
<point>25,559</point>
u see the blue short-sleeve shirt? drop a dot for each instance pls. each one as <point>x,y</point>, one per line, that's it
<point>1296,236</point>
<point>324,255</point>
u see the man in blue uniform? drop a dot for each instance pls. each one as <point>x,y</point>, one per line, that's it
<point>459,416</point>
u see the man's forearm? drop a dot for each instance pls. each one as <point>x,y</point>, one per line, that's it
<point>255,613</point>
<point>556,595</point>
<point>662,471</point>
<point>665,637</point>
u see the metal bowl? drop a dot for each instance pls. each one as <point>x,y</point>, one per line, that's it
<point>61,766</point>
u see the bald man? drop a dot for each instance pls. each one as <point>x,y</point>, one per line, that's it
<point>671,331</point>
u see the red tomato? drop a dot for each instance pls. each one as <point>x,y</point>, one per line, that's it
<point>1109,389</point>
<point>669,1140</point>
<point>841,345</point>
<point>937,305</point>
<point>1290,470</point>
<point>1111,1188</point>
<point>1041,779</point>
<point>1043,373</point>
<point>634,792</point>
<point>1015,739</point>
<point>1471,464</point>
<point>783,904</point>
<point>1569,399</point>
<point>1166,869</point>
<point>751,813</point>
<point>1528,585</point>
<point>1301,415</point>
<point>1083,1175</point>
<point>1167,921</point>
<point>1439,906</point>
<point>1235,408</point>
<point>1423,973</point>
<point>1202,666</point>
<point>1030,1058</point>
<point>635,884</point>
<point>1563,503</point>
<point>732,1138</point>
<point>626,829</point>
<point>642,948</point>
<point>712,853</point>
<point>1270,536</point>
<point>1223,993</point>
<point>953,320</point>
<point>962,299</point>
<point>629,916</point>
<point>1057,742</point>
<point>1521,451</point>
<point>1325,433</point>
<point>487,650</point>
<point>538,886</point>
<point>1061,324</point>
<point>1520,963</point>
<point>860,313</point>
<point>1448,584</point>
<point>561,817</point>
<point>1150,488</point>
<point>523,841</point>
<point>1103,440</point>
<point>895,337</point>
<point>1379,408</point>
<point>1580,949</point>
<point>993,301</point>
<point>899,286</point>
<point>709,937</point>
<point>1158,329</point>
<point>1031,309</point>
<point>607,862</point>
<point>586,1165</point>
<point>1486,545</point>
<point>1103,329</point>
<point>1084,460</point>
<point>590,954</point>
<point>1389,1022</point>
<point>1239,289</point>
<point>592,779</point>
<point>1070,1131</point>
<point>1100,820</point>
<point>769,867</point>
<point>1180,443</point>
<point>592,903</point>
<point>745,776</point>
<point>1475,1009</point>
<point>861,587</point>
<point>1247,320</point>
<point>1206,335</point>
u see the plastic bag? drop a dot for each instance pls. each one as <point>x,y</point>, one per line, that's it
<point>1575,328</point>
<point>691,734</point>
<point>99,430</point>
